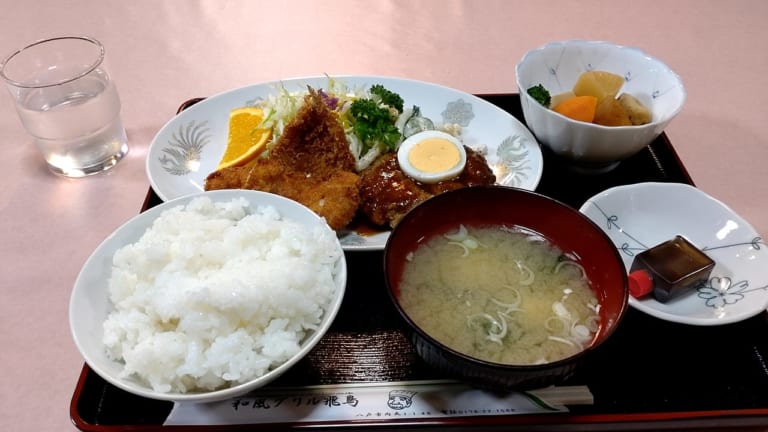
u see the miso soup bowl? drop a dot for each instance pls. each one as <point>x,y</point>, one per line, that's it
<point>562,225</point>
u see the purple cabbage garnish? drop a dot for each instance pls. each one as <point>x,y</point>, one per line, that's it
<point>331,102</point>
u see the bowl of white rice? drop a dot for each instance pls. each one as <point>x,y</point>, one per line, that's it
<point>208,296</point>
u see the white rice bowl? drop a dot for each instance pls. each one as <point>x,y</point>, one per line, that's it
<point>208,296</point>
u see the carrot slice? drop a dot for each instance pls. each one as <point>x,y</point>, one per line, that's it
<point>581,108</point>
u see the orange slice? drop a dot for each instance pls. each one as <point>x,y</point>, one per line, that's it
<point>245,140</point>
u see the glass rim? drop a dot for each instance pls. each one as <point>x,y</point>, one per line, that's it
<point>99,59</point>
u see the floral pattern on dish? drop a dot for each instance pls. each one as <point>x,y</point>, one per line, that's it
<point>639,216</point>
<point>719,291</point>
<point>185,148</point>
<point>458,112</point>
<point>512,168</point>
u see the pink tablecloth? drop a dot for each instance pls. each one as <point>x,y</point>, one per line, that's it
<point>162,53</point>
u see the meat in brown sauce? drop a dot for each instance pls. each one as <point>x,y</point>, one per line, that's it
<point>387,194</point>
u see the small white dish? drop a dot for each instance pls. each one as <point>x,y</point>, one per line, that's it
<point>190,145</point>
<point>90,302</point>
<point>639,216</point>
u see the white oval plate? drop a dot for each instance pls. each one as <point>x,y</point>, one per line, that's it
<point>190,145</point>
<point>639,216</point>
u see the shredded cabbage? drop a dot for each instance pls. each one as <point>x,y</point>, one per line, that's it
<point>281,106</point>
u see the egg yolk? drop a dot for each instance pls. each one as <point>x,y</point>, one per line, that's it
<point>434,155</point>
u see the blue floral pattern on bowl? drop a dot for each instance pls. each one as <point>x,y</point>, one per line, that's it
<point>558,65</point>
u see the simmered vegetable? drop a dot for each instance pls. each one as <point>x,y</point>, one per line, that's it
<point>610,112</point>
<point>596,98</point>
<point>599,84</point>
<point>581,108</point>
<point>556,99</point>
<point>637,112</point>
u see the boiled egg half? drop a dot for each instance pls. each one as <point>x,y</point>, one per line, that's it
<point>431,156</point>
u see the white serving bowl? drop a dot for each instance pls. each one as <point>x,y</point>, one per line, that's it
<point>642,215</point>
<point>90,302</point>
<point>557,66</point>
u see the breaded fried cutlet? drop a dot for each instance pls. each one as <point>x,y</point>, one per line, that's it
<point>227,178</point>
<point>311,163</point>
<point>314,142</point>
<point>335,197</point>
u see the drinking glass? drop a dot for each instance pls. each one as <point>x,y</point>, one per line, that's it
<point>68,103</point>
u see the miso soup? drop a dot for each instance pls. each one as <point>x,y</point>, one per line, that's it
<point>500,294</point>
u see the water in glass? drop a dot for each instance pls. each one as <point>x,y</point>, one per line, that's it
<point>76,125</point>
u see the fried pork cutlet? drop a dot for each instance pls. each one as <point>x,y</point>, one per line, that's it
<point>387,193</point>
<point>335,197</point>
<point>314,142</point>
<point>227,178</point>
<point>311,163</point>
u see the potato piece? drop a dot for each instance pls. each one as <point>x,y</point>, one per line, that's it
<point>599,84</point>
<point>638,113</point>
<point>610,112</point>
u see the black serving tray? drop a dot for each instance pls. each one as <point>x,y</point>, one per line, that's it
<point>651,375</point>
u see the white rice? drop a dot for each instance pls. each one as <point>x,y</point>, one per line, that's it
<point>216,294</point>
